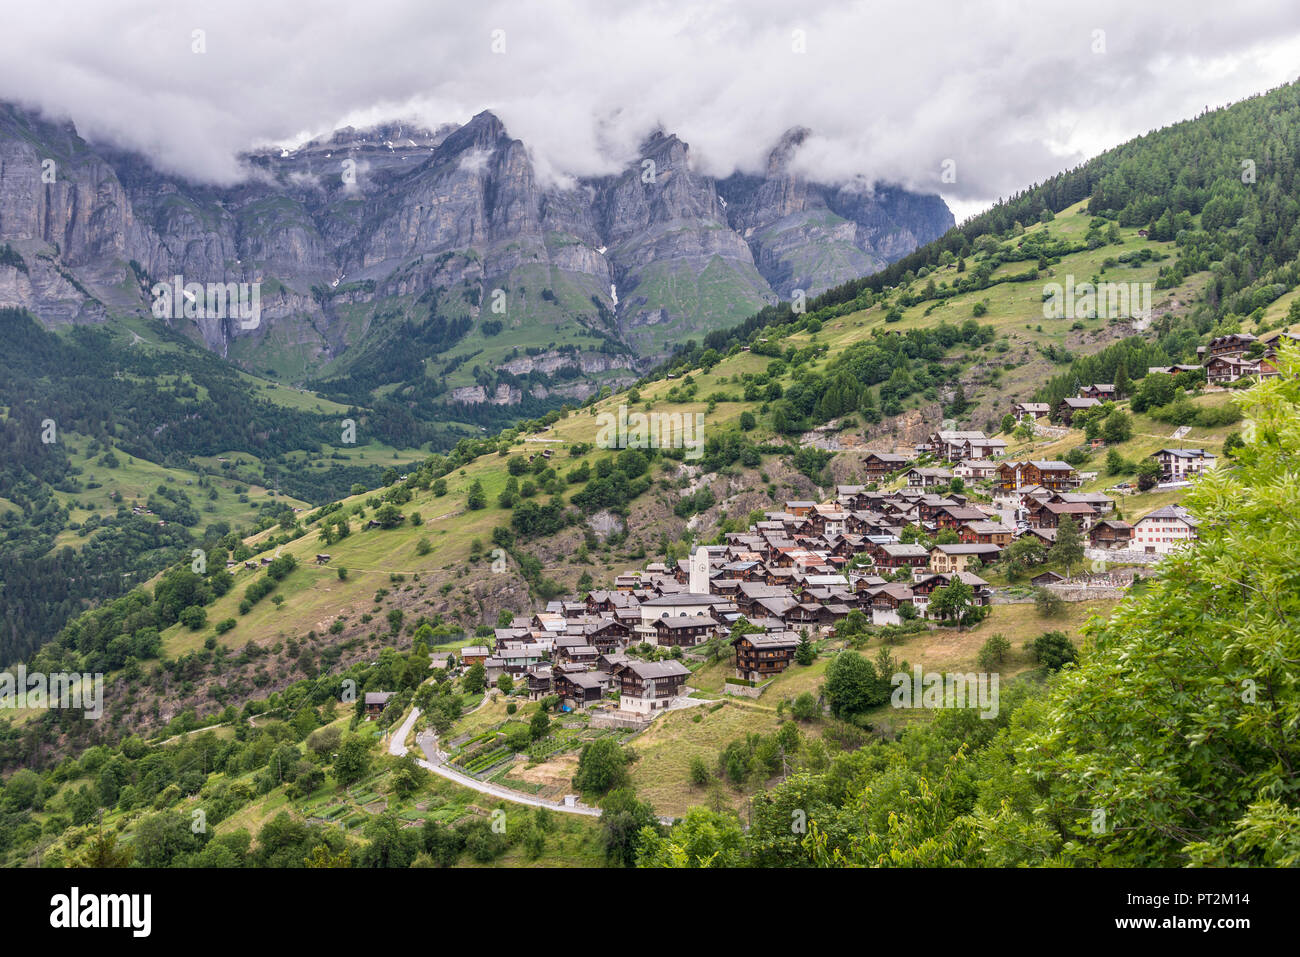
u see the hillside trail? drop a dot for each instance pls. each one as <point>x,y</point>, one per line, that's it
<point>435,760</point>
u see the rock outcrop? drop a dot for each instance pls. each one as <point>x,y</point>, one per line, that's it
<point>367,237</point>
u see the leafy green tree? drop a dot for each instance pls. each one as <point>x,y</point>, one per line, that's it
<point>1117,427</point>
<point>389,515</point>
<point>953,600</point>
<point>1048,602</point>
<point>994,651</point>
<point>1054,650</point>
<point>353,762</point>
<point>408,776</point>
<point>539,726</point>
<point>602,766</point>
<point>1148,474</point>
<point>805,707</point>
<point>1157,389</point>
<point>194,617</point>
<point>852,685</point>
<point>475,679</point>
<point>160,839</point>
<point>699,772</point>
<point>704,838</point>
<point>625,823</point>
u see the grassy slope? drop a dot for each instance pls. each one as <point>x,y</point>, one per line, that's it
<point>572,841</point>
<point>137,478</point>
<point>315,596</point>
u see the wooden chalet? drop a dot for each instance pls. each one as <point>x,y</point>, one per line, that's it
<point>1110,534</point>
<point>578,689</point>
<point>1069,407</point>
<point>760,656</point>
<point>647,686</point>
<point>1052,474</point>
<point>877,466</point>
<point>683,630</point>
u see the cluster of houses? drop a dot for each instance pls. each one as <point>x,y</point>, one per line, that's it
<point>1227,358</point>
<point>577,650</point>
<point>807,566</point>
<point>804,568</point>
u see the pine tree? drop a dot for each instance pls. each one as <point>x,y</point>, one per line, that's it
<point>477,498</point>
<point>1122,383</point>
<point>1069,544</point>
<point>805,653</point>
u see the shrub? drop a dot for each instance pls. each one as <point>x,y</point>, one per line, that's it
<point>1054,650</point>
<point>994,651</point>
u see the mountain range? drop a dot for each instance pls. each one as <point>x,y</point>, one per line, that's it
<point>437,264</point>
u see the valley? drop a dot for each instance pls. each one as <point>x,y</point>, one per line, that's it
<point>388,500</point>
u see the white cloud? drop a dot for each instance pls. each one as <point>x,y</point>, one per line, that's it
<point>1012,92</point>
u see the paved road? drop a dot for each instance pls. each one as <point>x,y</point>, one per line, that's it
<point>435,761</point>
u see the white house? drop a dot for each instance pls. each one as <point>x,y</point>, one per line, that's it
<point>1179,464</point>
<point>1164,530</point>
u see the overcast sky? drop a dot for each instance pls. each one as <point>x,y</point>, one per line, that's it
<point>1009,92</point>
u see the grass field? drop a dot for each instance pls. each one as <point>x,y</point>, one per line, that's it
<point>136,479</point>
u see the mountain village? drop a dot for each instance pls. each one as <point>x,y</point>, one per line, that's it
<point>926,519</point>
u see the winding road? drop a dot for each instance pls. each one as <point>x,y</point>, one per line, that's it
<point>435,761</point>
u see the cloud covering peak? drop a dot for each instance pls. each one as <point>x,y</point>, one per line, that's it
<point>1000,94</point>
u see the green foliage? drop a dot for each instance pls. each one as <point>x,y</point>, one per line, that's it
<point>475,679</point>
<point>994,651</point>
<point>1048,602</point>
<point>805,653</point>
<point>476,499</point>
<point>625,825</point>
<point>1054,650</point>
<point>353,761</point>
<point>703,838</point>
<point>1198,773</point>
<point>1068,548</point>
<point>602,766</point>
<point>852,685</point>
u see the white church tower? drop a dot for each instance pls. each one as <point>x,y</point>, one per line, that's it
<point>700,572</point>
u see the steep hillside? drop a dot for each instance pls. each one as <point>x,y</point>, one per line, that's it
<point>436,264</point>
<point>814,394</point>
<point>434,552</point>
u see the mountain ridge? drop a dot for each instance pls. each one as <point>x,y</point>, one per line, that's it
<point>351,231</point>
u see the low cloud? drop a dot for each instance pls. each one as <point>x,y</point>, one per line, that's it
<point>1010,93</point>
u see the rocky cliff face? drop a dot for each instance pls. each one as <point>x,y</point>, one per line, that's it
<point>812,236</point>
<point>353,233</point>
